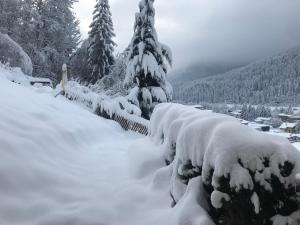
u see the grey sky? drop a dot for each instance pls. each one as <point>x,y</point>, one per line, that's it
<point>210,30</point>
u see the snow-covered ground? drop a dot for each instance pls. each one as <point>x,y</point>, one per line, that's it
<point>60,164</point>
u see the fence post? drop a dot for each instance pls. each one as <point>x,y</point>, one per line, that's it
<point>297,186</point>
<point>64,78</point>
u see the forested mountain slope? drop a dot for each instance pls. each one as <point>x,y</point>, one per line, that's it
<point>270,81</point>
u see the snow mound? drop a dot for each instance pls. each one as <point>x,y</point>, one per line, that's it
<point>231,158</point>
<point>61,164</point>
<point>13,74</point>
<point>13,54</point>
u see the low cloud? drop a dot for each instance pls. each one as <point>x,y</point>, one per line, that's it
<point>200,31</point>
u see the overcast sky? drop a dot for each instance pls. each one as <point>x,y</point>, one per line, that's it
<point>210,30</point>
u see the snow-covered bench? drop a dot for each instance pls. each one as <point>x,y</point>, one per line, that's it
<point>40,81</point>
<point>249,176</point>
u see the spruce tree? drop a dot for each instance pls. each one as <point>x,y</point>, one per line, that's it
<point>244,112</point>
<point>146,67</point>
<point>60,33</point>
<point>102,46</point>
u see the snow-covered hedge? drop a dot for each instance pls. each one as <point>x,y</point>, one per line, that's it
<point>13,54</point>
<point>249,176</point>
<point>82,94</point>
<point>118,108</point>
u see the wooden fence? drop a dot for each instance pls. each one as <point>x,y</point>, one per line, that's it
<point>126,123</point>
<point>126,120</point>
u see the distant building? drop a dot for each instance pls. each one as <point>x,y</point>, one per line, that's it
<point>236,113</point>
<point>289,118</point>
<point>201,107</point>
<point>289,127</point>
<point>244,122</point>
<point>260,127</point>
<point>263,120</point>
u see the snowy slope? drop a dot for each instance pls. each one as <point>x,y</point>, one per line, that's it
<point>273,80</point>
<point>60,164</point>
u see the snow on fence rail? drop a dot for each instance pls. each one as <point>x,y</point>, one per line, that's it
<point>249,177</point>
<point>118,109</point>
<point>132,123</point>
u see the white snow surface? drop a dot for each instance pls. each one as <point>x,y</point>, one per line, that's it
<point>61,164</point>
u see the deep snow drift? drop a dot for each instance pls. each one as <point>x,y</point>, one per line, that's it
<point>61,165</point>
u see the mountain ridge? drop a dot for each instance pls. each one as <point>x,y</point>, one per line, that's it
<point>274,80</point>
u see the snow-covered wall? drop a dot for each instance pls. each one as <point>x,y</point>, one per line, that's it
<point>13,54</point>
<point>238,165</point>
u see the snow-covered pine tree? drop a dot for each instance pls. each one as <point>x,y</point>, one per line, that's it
<point>244,112</point>
<point>102,46</point>
<point>146,67</point>
<point>60,33</point>
<point>10,13</point>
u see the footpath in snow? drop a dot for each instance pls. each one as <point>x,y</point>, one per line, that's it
<point>61,164</point>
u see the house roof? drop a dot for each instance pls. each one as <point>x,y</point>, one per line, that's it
<point>288,125</point>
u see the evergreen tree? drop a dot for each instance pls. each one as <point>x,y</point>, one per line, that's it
<point>10,13</point>
<point>102,46</point>
<point>146,61</point>
<point>244,112</point>
<point>79,62</point>
<point>251,113</point>
<point>46,29</point>
<point>60,33</point>
<point>290,110</point>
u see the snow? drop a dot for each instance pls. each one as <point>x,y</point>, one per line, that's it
<point>217,199</point>
<point>61,164</point>
<point>287,220</point>
<point>256,203</point>
<point>13,74</point>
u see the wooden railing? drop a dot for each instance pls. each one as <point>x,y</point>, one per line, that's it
<point>132,123</point>
<point>127,121</point>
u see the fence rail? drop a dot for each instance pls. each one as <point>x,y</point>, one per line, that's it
<point>126,121</point>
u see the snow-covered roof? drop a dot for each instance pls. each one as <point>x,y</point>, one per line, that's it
<point>288,125</point>
<point>262,119</point>
<point>39,79</point>
<point>289,116</point>
<point>245,122</point>
<point>235,113</point>
<point>283,114</point>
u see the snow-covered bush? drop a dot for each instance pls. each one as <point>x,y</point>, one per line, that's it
<point>13,54</point>
<point>249,176</point>
<point>112,84</point>
<point>75,91</point>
